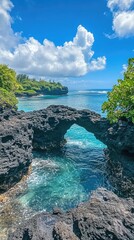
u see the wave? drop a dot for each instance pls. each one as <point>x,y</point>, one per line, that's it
<point>39,164</point>
<point>93,91</point>
<point>103,92</point>
<point>74,142</point>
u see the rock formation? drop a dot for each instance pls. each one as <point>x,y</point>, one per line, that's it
<point>15,149</point>
<point>50,126</point>
<point>105,216</point>
<point>120,172</point>
<point>45,130</point>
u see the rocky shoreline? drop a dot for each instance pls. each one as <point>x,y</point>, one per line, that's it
<point>105,216</point>
<point>45,129</point>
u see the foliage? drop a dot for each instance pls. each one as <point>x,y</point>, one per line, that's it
<point>26,92</point>
<point>10,85</point>
<point>8,79</point>
<point>7,99</point>
<point>37,87</point>
<point>120,102</point>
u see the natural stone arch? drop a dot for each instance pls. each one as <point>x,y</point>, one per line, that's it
<point>50,126</point>
<point>50,129</point>
<point>45,130</point>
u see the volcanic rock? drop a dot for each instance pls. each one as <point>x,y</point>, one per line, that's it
<point>45,130</point>
<point>105,216</point>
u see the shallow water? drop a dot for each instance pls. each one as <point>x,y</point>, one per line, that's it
<point>61,179</point>
<point>64,179</point>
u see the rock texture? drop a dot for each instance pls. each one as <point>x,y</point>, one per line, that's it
<point>120,172</point>
<point>50,126</point>
<point>15,149</point>
<point>104,217</point>
<point>45,130</point>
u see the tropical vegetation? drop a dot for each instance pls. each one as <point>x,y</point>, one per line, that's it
<point>8,86</point>
<point>32,87</point>
<point>120,103</point>
<point>12,85</point>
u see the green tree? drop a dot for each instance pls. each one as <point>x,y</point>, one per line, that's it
<point>7,99</point>
<point>120,102</point>
<point>8,85</point>
<point>8,79</point>
<point>22,77</point>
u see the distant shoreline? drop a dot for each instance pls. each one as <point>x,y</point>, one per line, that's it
<point>56,92</point>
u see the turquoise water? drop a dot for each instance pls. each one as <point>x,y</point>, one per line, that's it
<point>64,179</point>
<point>90,99</point>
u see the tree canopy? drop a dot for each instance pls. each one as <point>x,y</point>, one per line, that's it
<point>7,99</point>
<point>120,104</point>
<point>31,86</point>
<point>8,78</point>
<point>8,85</point>
<point>12,85</point>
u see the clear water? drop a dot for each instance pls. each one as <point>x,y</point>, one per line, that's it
<point>91,99</point>
<point>64,179</point>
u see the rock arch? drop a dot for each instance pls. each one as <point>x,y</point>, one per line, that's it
<point>45,130</point>
<point>50,126</point>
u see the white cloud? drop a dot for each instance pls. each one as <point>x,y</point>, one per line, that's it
<point>97,64</point>
<point>121,5</point>
<point>123,24</point>
<point>123,18</point>
<point>8,39</point>
<point>72,59</point>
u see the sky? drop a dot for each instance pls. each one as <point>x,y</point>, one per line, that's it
<point>84,44</point>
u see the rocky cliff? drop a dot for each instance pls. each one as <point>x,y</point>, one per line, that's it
<point>15,149</point>
<point>45,130</point>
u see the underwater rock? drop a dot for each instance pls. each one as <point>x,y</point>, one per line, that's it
<point>105,216</point>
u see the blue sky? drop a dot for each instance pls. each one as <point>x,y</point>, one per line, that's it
<point>87,42</point>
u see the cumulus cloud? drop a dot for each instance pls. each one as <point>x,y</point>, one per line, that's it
<point>97,64</point>
<point>121,5</point>
<point>123,17</point>
<point>123,23</point>
<point>8,39</point>
<point>72,59</point>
